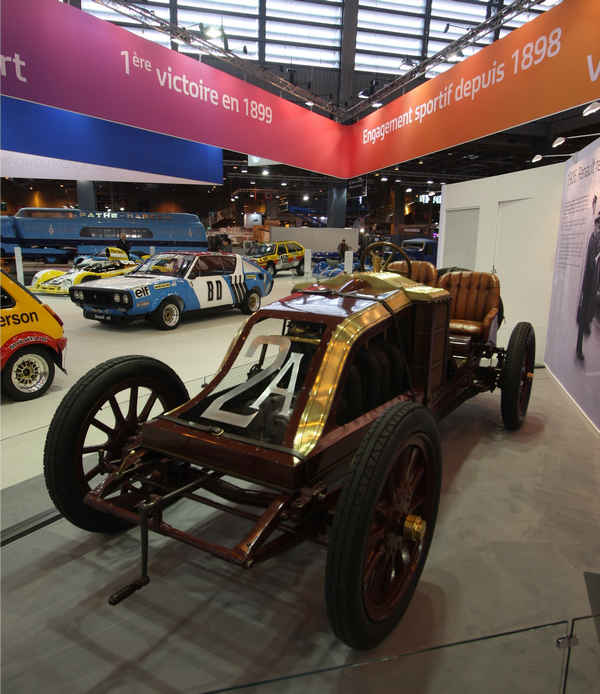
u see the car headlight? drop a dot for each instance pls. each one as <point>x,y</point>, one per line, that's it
<point>78,294</point>
<point>67,282</point>
<point>126,299</point>
<point>117,298</point>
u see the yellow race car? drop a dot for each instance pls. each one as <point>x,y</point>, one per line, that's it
<point>278,255</point>
<point>110,264</point>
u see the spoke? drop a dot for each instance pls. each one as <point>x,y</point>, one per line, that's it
<point>133,398</point>
<point>371,565</point>
<point>148,407</point>
<point>93,449</point>
<point>413,483</point>
<point>102,426</point>
<point>116,410</point>
<point>96,470</point>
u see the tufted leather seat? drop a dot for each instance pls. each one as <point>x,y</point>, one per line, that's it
<point>420,271</point>
<point>475,302</point>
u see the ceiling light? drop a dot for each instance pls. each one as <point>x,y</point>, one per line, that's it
<point>561,140</point>
<point>396,168</point>
<point>536,158</point>
<point>409,190</point>
<point>283,183</point>
<point>420,161</point>
<point>309,103</point>
<point>429,182</point>
<point>591,108</point>
<point>376,104</point>
<point>362,95</point>
<point>265,172</point>
<point>213,32</point>
<point>244,170</point>
<point>558,142</point>
<point>384,178</point>
<point>397,180</point>
<point>252,183</point>
<point>305,197</point>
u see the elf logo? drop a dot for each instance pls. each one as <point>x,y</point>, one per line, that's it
<point>141,291</point>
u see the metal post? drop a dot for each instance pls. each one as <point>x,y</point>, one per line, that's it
<point>348,262</point>
<point>307,264</point>
<point>19,264</point>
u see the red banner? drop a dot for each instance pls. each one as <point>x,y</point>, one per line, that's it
<point>59,56</point>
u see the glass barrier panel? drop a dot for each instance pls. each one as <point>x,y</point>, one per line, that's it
<point>583,671</point>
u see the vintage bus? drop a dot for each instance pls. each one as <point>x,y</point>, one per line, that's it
<point>59,234</point>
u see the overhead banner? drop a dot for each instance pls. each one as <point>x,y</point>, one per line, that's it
<point>57,55</point>
<point>30,128</point>
<point>573,341</point>
<point>548,65</point>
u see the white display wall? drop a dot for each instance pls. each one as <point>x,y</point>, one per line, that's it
<point>317,238</point>
<point>507,224</point>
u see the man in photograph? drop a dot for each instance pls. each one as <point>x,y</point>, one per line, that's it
<point>589,297</point>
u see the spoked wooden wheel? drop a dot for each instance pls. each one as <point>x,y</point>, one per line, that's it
<point>397,533</point>
<point>517,375</point>
<point>383,526</point>
<point>92,425</point>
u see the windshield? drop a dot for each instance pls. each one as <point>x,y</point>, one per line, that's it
<point>257,395</point>
<point>171,264</point>
<point>258,249</point>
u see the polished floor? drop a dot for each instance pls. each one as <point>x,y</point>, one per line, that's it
<point>517,536</point>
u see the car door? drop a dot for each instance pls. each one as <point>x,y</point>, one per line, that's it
<point>208,283</point>
<point>282,252</point>
<point>295,254</point>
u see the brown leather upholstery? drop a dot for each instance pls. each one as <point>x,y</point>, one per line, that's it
<point>420,271</point>
<point>475,301</point>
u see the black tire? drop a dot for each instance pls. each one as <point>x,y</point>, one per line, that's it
<point>300,268</point>
<point>251,302</point>
<point>517,375</point>
<point>28,373</point>
<point>168,315</point>
<point>271,269</point>
<point>404,440</point>
<point>64,465</point>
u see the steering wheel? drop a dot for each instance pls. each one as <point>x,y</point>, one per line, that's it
<point>386,262</point>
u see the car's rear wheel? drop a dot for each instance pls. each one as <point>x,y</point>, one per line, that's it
<point>300,268</point>
<point>517,375</point>
<point>383,525</point>
<point>271,269</point>
<point>93,424</point>
<point>168,315</point>
<point>28,373</point>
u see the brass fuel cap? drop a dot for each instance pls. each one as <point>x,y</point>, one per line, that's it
<point>414,529</point>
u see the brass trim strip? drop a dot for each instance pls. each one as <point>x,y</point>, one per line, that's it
<point>320,399</point>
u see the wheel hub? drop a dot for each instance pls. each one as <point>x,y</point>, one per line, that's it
<point>414,529</point>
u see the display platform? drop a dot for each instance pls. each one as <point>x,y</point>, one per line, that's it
<point>517,530</point>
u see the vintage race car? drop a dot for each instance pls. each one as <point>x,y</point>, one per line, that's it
<point>168,285</point>
<point>279,255</point>
<point>112,263</point>
<point>327,402</point>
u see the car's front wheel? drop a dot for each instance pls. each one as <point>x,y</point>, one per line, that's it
<point>271,269</point>
<point>28,373</point>
<point>251,302</point>
<point>168,315</point>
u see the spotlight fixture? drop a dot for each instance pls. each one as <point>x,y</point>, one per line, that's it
<point>376,104</point>
<point>591,108</point>
<point>283,183</point>
<point>309,103</point>
<point>420,161</point>
<point>397,180</point>
<point>561,140</point>
<point>409,190</point>
<point>305,197</point>
<point>456,55</point>
<point>384,178</point>
<point>244,170</point>
<point>539,157</point>
<point>252,183</point>
<point>265,172</point>
<point>430,182</point>
<point>362,95</point>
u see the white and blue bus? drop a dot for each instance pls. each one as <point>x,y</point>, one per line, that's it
<point>55,235</point>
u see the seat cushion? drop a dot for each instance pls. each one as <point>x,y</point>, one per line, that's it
<point>421,271</point>
<point>466,327</point>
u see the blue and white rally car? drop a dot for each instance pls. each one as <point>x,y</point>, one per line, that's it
<point>169,284</point>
